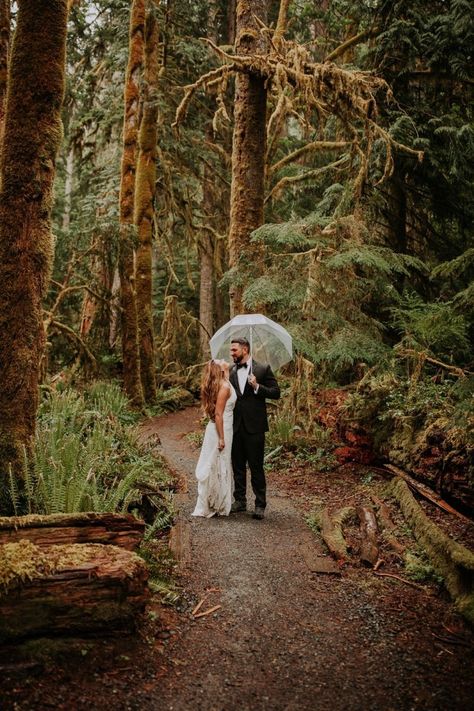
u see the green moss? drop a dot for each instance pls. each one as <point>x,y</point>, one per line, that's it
<point>24,561</point>
<point>452,561</point>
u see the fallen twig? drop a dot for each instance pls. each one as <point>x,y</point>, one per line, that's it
<point>207,612</point>
<point>452,640</point>
<point>378,564</point>
<point>402,580</point>
<point>201,602</point>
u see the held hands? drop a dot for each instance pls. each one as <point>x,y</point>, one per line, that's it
<point>221,445</point>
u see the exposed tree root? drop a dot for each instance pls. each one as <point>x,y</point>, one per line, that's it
<point>369,550</point>
<point>332,534</point>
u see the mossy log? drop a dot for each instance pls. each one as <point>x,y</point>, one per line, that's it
<point>123,530</point>
<point>452,561</point>
<point>332,534</point>
<point>70,590</point>
<point>369,549</point>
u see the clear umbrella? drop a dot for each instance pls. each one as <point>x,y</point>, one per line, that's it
<point>269,342</point>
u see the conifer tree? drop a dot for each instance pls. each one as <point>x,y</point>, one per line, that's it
<point>32,137</point>
<point>144,211</point>
<point>248,150</point>
<point>129,323</point>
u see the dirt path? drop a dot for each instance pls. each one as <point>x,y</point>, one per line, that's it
<point>287,637</point>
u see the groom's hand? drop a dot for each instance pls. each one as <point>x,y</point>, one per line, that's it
<point>253,381</point>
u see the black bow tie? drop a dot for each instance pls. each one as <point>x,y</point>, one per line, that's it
<point>241,365</point>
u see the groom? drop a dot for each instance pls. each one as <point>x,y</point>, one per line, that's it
<point>253,382</point>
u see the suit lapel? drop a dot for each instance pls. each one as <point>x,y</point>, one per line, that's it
<point>235,381</point>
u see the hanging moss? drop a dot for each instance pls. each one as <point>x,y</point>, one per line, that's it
<point>32,137</point>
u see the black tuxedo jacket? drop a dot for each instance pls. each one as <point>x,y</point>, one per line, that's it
<point>250,409</point>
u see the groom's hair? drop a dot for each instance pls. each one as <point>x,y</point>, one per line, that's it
<point>242,342</point>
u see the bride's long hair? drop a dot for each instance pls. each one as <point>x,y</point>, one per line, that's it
<point>210,385</point>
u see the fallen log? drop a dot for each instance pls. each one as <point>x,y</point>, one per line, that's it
<point>426,492</point>
<point>388,526</point>
<point>369,550</point>
<point>123,530</point>
<point>332,533</point>
<point>454,562</point>
<point>72,589</point>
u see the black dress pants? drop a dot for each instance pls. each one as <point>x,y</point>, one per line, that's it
<point>248,448</point>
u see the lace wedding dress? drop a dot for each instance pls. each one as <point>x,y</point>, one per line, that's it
<point>214,468</point>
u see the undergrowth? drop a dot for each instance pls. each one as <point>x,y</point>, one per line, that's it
<point>88,457</point>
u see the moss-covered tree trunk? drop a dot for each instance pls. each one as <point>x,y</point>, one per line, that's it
<point>144,211</point>
<point>129,320</point>
<point>248,149</point>
<point>206,240</point>
<point>32,137</point>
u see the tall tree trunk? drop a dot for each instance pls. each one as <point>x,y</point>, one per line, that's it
<point>206,290</point>
<point>4,51</point>
<point>144,196</point>
<point>129,318</point>
<point>206,241</point>
<point>32,138</point>
<point>231,21</point>
<point>248,150</point>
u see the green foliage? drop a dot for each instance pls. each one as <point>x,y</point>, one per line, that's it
<point>88,458</point>
<point>435,327</point>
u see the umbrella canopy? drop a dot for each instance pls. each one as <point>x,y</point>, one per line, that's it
<point>269,342</point>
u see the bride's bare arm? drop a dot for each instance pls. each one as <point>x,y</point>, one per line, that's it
<point>222,397</point>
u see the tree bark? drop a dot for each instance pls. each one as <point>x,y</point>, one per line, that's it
<point>231,22</point>
<point>4,55</point>
<point>32,138</point>
<point>144,196</point>
<point>332,533</point>
<point>87,588</point>
<point>248,150</point>
<point>122,530</point>
<point>129,317</point>
<point>369,549</point>
<point>206,241</point>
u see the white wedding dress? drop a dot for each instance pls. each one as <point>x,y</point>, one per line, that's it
<point>214,468</point>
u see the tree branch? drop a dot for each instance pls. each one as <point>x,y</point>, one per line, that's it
<point>351,42</point>
<point>308,148</point>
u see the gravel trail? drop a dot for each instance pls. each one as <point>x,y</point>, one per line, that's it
<point>286,637</point>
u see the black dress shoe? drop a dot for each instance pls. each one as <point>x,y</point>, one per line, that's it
<point>259,513</point>
<point>238,506</point>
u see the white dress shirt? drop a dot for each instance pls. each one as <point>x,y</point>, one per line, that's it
<point>242,375</point>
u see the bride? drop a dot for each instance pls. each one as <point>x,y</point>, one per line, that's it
<point>214,468</point>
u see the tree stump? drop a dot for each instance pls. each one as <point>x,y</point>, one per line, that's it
<point>69,589</point>
<point>123,530</point>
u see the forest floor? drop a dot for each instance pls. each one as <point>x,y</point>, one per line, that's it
<point>292,631</point>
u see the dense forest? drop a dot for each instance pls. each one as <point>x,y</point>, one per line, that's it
<point>322,176</point>
<point>168,164</point>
